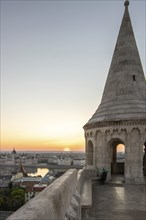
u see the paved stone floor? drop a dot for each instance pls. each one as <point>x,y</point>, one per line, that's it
<point>116,201</point>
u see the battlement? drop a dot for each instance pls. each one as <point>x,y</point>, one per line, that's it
<point>60,200</point>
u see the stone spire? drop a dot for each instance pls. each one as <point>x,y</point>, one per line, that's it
<point>22,169</point>
<point>124,96</point>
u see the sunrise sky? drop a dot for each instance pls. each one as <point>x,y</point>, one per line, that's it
<point>55,57</point>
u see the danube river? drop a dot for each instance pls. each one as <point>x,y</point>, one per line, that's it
<point>40,172</point>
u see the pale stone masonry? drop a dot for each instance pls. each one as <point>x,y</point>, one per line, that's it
<point>121,115</point>
<point>62,200</point>
<point>59,201</point>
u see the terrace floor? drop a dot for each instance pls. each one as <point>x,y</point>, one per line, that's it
<point>117,201</point>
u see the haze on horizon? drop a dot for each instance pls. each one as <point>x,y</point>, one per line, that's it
<point>55,57</point>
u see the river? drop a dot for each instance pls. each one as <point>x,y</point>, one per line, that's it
<point>40,172</point>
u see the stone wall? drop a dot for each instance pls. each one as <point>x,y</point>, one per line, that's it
<point>59,201</point>
<point>105,136</point>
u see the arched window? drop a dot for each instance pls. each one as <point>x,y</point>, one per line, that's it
<point>117,156</point>
<point>120,153</point>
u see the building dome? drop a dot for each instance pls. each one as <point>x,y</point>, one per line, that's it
<point>14,151</point>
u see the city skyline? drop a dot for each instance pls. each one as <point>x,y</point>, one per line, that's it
<point>55,60</point>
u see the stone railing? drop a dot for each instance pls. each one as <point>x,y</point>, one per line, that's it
<point>59,201</point>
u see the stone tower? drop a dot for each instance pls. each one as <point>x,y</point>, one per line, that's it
<point>121,115</point>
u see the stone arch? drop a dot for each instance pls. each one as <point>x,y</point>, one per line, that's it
<point>117,166</point>
<point>107,132</point>
<point>123,133</point>
<point>87,134</point>
<point>135,132</point>
<point>97,133</point>
<point>89,153</point>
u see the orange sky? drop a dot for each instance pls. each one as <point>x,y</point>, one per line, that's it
<point>37,145</point>
<point>121,147</point>
<point>43,135</point>
<point>47,145</point>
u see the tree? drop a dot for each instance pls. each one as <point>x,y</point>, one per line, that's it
<point>17,197</point>
<point>11,199</point>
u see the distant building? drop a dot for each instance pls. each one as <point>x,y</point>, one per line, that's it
<point>47,179</point>
<point>5,180</point>
<point>17,176</point>
<point>65,161</point>
<point>14,154</point>
<point>27,182</point>
<point>21,173</point>
<point>37,188</point>
<point>52,160</point>
<point>80,162</point>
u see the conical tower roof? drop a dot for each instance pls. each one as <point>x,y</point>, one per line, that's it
<point>124,96</point>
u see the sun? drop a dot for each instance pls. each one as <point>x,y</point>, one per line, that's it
<point>66,149</point>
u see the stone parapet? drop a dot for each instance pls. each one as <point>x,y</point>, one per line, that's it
<point>59,201</point>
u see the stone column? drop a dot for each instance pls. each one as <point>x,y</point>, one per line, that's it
<point>133,158</point>
<point>144,160</point>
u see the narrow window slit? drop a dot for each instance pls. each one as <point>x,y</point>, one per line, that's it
<point>134,78</point>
